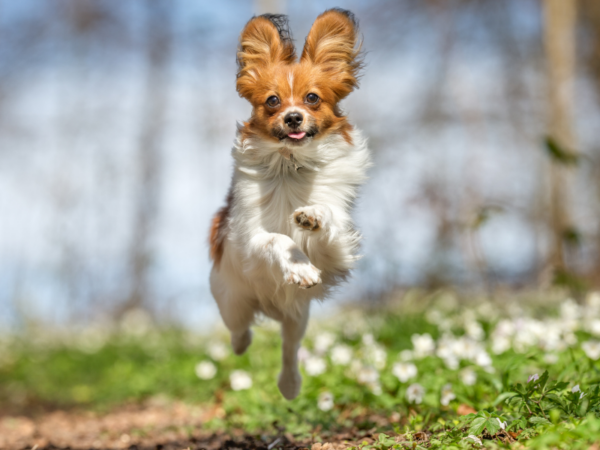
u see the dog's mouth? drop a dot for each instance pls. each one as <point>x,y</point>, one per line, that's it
<point>296,137</point>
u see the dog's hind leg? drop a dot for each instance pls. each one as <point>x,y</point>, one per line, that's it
<point>237,313</point>
<point>292,331</point>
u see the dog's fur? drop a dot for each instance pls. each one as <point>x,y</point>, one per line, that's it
<point>286,226</point>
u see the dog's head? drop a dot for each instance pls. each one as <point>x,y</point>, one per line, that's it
<point>295,102</point>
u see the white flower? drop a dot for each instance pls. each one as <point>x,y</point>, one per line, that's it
<point>533,377</point>
<point>482,359</point>
<point>406,355</point>
<point>423,344</point>
<point>415,393</point>
<point>577,389</point>
<point>240,380</point>
<point>502,424</point>
<point>468,376</point>
<point>447,395</point>
<point>474,439</point>
<point>217,350</point>
<point>551,358</point>
<point>451,362</point>
<point>323,341</point>
<point>474,330</point>
<point>368,339</point>
<point>303,354</point>
<point>591,349</point>
<point>376,356</point>
<point>341,355</point>
<point>404,371</point>
<point>593,327</point>
<point>314,366</point>
<point>570,309</point>
<point>325,402</point>
<point>367,375</point>
<point>205,370</point>
<point>500,344</point>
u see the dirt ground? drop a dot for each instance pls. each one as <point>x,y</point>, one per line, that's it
<point>151,426</point>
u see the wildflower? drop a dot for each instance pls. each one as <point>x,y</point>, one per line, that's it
<point>376,356</point>
<point>502,424</point>
<point>447,395</point>
<point>240,380</point>
<point>474,330</point>
<point>594,327</point>
<point>577,389</point>
<point>205,370</point>
<point>591,349</point>
<point>368,339</point>
<point>367,375</point>
<point>415,393</point>
<point>406,355</point>
<point>482,359</point>
<point>423,345</point>
<point>323,341</point>
<point>500,344</point>
<point>533,377</point>
<point>314,366</point>
<point>341,355</point>
<point>217,350</point>
<point>474,439</point>
<point>551,358</point>
<point>404,371</point>
<point>468,376</point>
<point>303,354</point>
<point>325,402</point>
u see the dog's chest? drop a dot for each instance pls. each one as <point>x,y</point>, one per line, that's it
<point>283,196</point>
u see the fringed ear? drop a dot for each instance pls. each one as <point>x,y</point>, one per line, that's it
<point>332,44</point>
<point>265,41</point>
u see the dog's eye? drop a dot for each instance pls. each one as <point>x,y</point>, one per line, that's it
<point>273,101</point>
<point>312,98</point>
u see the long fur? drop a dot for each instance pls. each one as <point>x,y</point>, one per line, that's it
<point>285,236</point>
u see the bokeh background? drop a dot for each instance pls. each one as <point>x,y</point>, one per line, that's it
<point>117,119</point>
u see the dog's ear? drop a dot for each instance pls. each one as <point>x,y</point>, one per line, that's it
<point>265,41</point>
<point>333,45</point>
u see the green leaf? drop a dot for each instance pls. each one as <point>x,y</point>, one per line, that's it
<point>477,426</point>
<point>559,154</point>
<point>539,421</point>
<point>505,396</point>
<point>492,425</point>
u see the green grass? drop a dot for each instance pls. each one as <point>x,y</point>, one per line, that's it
<point>480,355</point>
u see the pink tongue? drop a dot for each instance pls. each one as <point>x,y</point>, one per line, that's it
<point>297,135</point>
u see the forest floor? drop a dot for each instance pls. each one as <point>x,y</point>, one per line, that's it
<point>428,370</point>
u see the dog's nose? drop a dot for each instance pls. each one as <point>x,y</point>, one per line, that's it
<point>293,119</point>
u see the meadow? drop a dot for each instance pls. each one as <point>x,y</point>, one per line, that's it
<point>429,370</point>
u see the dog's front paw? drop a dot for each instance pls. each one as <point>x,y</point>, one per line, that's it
<point>311,218</point>
<point>304,274</point>
<point>289,383</point>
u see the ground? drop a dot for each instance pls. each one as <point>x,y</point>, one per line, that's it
<point>425,370</point>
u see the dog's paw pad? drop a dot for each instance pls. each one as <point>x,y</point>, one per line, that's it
<point>304,275</point>
<point>308,218</point>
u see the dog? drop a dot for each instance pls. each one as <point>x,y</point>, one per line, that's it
<point>285,236</point>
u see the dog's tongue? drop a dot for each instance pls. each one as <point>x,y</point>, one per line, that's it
<point>299,135</point>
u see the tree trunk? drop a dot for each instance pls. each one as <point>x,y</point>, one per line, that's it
<point>158,39</point>
<point>559,43</point>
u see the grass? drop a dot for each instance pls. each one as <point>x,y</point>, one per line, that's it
<point>483,374</point>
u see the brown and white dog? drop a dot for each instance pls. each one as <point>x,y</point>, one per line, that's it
<point>286,226</point>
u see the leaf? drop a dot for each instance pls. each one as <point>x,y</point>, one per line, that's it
<point>504,396</point>
<point>559,154</point>
<point>539,421</point>
<point>477,426</point>
<point>492,425</point>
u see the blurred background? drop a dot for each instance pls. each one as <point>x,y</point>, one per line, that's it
<point>117,120</point>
